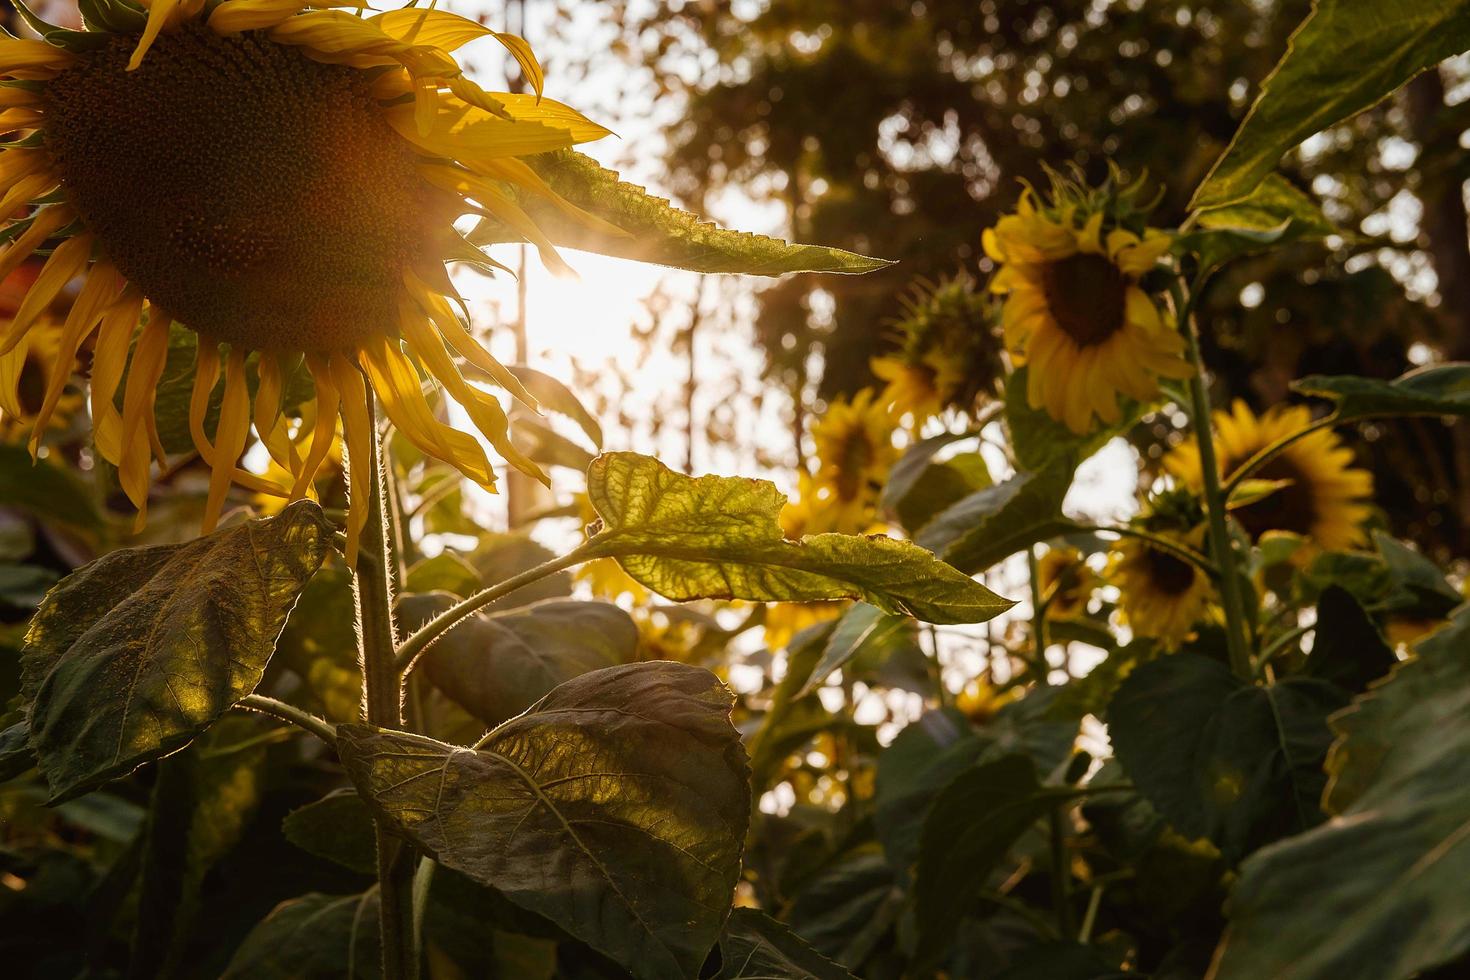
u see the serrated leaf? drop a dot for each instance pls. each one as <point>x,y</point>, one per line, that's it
<point>926,756</point>
<point>616,807</point>
<point>132,656</point>
<point>849,907</point>
<point>1275,212</point>
<point>1379,891</point>
<point>913,464</point>
<point>1220,758</point>
<point>992,524</point>
<point>657,231</point>
<point>941,485</point>
<point>314,936</point>
<point>969,830</point>
<point>716,537</point>
<point>1345,57</point>
<point>496,666</point>
<point>1443,389</point>
<point>757,947</point>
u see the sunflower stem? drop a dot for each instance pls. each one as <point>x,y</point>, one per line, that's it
<point>381,687</point>
<point>1221,544</point>
<point>1040,667</point>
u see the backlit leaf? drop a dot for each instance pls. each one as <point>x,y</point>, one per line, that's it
<point>132,656</point>
<point>616,807</point>
<point>1275,212</point>
<point>716,537</point>
<point>657,231</point>
<point>862,630</point>
<point>1345,57</point>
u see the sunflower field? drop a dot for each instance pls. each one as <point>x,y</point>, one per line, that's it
<point>1058,571</point>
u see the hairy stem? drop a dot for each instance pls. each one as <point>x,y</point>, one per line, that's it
<point>319,727</point>
<point>381,685</point>
<point>1220,543</point>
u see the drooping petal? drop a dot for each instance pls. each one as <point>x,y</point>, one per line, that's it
<point>146,369</point>
<point>64,265</point>
<point>230,436</point>
<point>98,293</point>
<point>109,357</point>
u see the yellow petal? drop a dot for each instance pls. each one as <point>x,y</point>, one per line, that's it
<point>64,264</point>
<point>526,58</point>
<point>98,293</point>
<point>46,222</point>
<point>358,434</point>
<point>435,28</point>
<point>158,15</point>
<point>109,357</point>
<point>325,429</point>
<point>143,375</point>
<point>21,54</point>
<point>230,436</point>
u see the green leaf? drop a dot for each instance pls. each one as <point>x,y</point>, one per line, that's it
<point>927,755</point>
<point>135,654</point>
<point>757,947</point>
<point>496,666</point>
<point>337,827</point>
<point>911,477</point>
<point>1347,649</point>
<point>863,631</point>
<point>1220,758</point>
<point>202,801</point>
<point>1040,441</point>
<point>316,647</point>
<point>47,491</point>
<point>548,447</point>
<point>657,231</point>
<point>789,722</point>
<point>616,807</point>
<point>1418,583</point>
<point>445,572</point>
<point>941,485</point>
<point>1380,890</point>
<point>847,909</point>
<point>557,397</point>
<point>1442,389</point>
<point>1275,212</point>
<point>990,525</point>
<point>716,537</point>
<point>314,937</point>
<point>1345,57</point>
<point>15,751</point>
<point>968,832</point>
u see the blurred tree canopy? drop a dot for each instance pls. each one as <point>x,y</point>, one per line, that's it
<point>904,130</point>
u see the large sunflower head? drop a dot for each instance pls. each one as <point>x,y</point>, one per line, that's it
<point>1319,495</point>
<point>949,350</point>
<point>1160,594</point>
<point>1069,267</point>
<point>282,178</point>
<point>855,450</point>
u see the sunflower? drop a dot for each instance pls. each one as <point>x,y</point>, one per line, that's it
<point>855,450</point>
<point>1066,583</point>
<point>949,351</point>
<point>280,177</point>
<point>1161,595</point>
<point>1074,311</point>
<point>1321,495</point>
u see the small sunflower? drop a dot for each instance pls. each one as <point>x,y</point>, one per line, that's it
<point>1074,310</point>
<point>855,450</point>
<point>1066,583</point>
<point>949,350</point>
<point>282,178</point>
<point>1322,496</point>
<point>1161,595</point>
